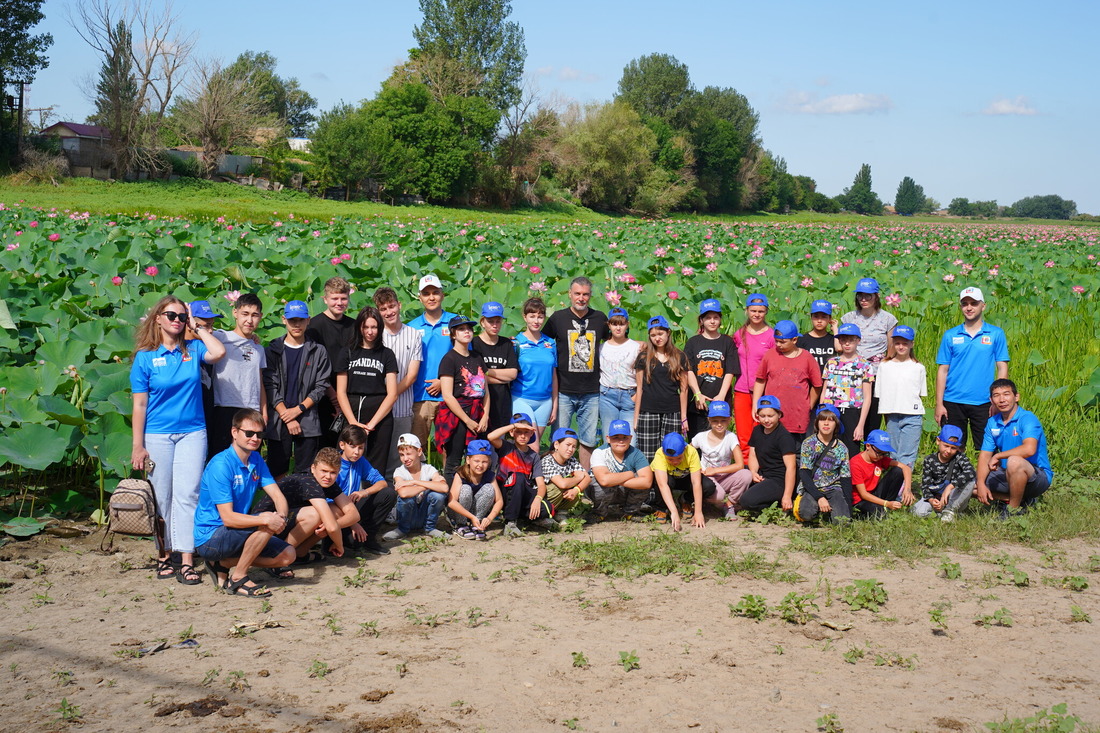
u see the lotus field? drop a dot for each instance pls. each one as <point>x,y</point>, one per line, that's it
<point>73,286</point>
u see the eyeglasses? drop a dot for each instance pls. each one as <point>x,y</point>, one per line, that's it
<point>174,316</point>
<point>252,433</point>
<point>865,296</point>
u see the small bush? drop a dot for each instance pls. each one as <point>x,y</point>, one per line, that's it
<point>41,167</point>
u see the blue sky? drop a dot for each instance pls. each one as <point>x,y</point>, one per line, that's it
<point>976,99</point>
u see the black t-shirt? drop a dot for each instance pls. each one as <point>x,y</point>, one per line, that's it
<point>366,368</point>
<point>468,373</point>
<point>712,360</point>
<point>334,335</point>
<point>660,394</point>
<point>299,489</point>
<point>502,355</point>
<point>821,348</point>
<point>578,342</point>
<point>770,449</point>
<point>293,358</point>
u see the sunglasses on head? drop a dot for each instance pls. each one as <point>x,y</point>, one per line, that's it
<point>252,433</point>
<point>173,316</point>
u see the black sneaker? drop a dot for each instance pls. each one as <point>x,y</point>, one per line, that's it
<point>373,547</point>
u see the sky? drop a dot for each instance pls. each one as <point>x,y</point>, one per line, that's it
<point>982,100</point>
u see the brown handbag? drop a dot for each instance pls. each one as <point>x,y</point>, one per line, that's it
<point>132,510</point>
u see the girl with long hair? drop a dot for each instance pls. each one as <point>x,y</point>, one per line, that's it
<point>661,376</point>
<point>366,384</point>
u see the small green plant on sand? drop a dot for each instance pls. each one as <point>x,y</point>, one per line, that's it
<point>1077,615</point>
<point>319,669</point>
<point>950,570</point>
<point>937,616</point>
<point>629,660</point>
<point>829,723</point>
<point>868,593</point>
<point>751,606</point>
<point>580,660</point>
<point>797,608</point>
<point>67,712</point>
<point>1000,617</point>
<point>1056,719</point>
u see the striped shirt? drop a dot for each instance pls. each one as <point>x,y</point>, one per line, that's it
<point>407,346</point>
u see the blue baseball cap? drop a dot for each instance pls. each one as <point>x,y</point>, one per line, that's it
<point>562,434</point>
<point>849,329</point>
<point>658,322</point>
<point>835,412</point>
<point>951,434</point>
<point>756,299</point>
<point>880,439</point>
<point>619,427</point>
<point>821,306</point>
<point>459,321</point>
<point>673,444</point>
<point>710,305</point>
<point>492,309</point>
<point>521,417</point>
<point>202,309</point>
<point>718,408</point>
<point>769,401</point>
<point>618,312</point>
<point>786,330</point>
<point>295,309</point>
<point>867,285</point>
<point>479,448</point>
<point>904,332</point>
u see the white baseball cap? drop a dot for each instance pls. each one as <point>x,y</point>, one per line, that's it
<point>429,281</point>
<point>409,440</point>
<point>975,293</point>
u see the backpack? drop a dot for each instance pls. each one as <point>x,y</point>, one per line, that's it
<point>132,510</point>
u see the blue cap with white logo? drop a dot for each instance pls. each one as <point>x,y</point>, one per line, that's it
<point>849,329</point>
<point>202,309</point>
<point>821,306</point>
<point>718,408</point>
<point>619,427</point>
<point>295,309</point>
<point>710,305</point>
<point>867,285</point>
<point>904,332</point>
<point>492,309</point>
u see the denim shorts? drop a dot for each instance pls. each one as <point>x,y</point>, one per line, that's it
<point>228,542</point>
<point>1036,485</point>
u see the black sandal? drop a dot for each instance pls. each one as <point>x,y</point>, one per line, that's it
<point>312,557</point>
<point>162,566</point>
<point>238,588</point>
<point>214,567</point>
<point>182,575</point>
<point>283,573</point>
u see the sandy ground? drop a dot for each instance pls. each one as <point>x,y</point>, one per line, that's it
<point>480,636</point>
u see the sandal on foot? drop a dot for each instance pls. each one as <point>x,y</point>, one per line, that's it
<point>214,567</point>
<point>188,575</point>
<point>165,569</point>
<point>239,588</point>
<point>283,573</point>
<point>312,557</point>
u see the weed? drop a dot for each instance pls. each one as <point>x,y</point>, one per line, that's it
<point>572,525</point>
<point>1075,583</point>
<point>211,675</point>
<point>854,654</point>
<point>1008,574</point>
<point>571,723</point>
<point>332,624</point>
<point>473,617</point>
<point>868,593</point>
<point>188,633</point>
<point>1077,615</point>
<point>937,617</point>
<point>779,649</point>
<point>1056,719</point>
<point>369,628</point>
<point>665,554</point>
<point>402,669</point>
<point>14,669</point>
<point>774,515</point>
<point>1094,563</point>
<point>319,669</point>
<point>265,605</point>
<point>363,574</point>
<point>128,653</point>
<point>430,620</point>
<point>41,599</point>
<point>751,606</point>
<point>629,660</point>
<point>1000,617</point>
<point>236,681</point>
<point>796,608</point>
<point>580,660</point>
<point>830,723</point>
<point>396,592</point>
<point>950,570</point>
<point>63,677</point>
<point>895,659</point>
<point>67,712</point>
<point>417,545</point>
<point>457,703</point>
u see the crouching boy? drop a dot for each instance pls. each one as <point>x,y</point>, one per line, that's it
<point>311,517</point>
<point>366,487</point>
<point>520,476</point>
<point>226,535</point>
<point>679,476</point>
<point>621,476</point>
<point>948,478</point>
<point>421,491</point>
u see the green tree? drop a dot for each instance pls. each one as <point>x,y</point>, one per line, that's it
<point>909,198</point>
<point>300,104</point>
<point>117,104</point>
<point>959,207</point>
<point>1050,206</point>
<point>929,205</point>
<point>655,85</point>
<point>724,133</point>
<point>859,197</point>
<point>350,147</point>
<point>986,209</point>
<point>282,98</point>
<point>478,35</point>
<point>22,55</point>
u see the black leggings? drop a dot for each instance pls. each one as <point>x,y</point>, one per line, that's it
<point>888,489</point>
<point>762,495</point>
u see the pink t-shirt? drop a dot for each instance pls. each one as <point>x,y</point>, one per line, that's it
<point>750,350</point>
<point>790,379</point>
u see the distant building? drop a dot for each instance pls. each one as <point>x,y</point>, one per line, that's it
<point>301,144</point>
<point>79,138</point>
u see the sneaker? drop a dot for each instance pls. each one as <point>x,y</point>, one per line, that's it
<point>1008,513</point>
<point>947,517</point>
<point>547,523</point>
<point>512,530</point>
<point>731,514</point>
<point>660,516</point>
<point>373,547</point>
<point>436,534</point>
<point>466,532</point>
<point>687,511</point>
<point>393,534</point>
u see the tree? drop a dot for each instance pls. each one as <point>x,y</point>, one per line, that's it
<point>477,34</point>
<point>351,147</point>
<point>929,205</point>
<point>724,133</point>
<point>986,209</point>
<point>859,197</point>
<point>654,85</point>
<point>959,207</point>
<point>22,55</point>
<point>300,104</point>
<point>117,106</point>
<point>1044,207</point>
<point>282,98</point>
<point>909,198</point>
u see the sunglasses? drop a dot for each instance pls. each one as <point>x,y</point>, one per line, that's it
<point>173,316</point>
<point>252,433</point>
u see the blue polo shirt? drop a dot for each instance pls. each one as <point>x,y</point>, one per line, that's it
<point>228,481</point>
<point>436,342</point>
<point>352,475</point>
<point>174,385</point>
<point>537,362</point>
<point>972,361</point>
<point>1001,436</point>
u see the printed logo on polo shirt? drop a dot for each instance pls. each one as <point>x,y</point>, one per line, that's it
<point>995,431</point>
<point>987,340</point>
<point>159,361</point>
<point>957,339</point>
<point>1015,433</point>
<point>447,331</point>
<point>186,357</point>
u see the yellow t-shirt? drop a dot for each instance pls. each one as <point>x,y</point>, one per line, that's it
<point>689,462</point>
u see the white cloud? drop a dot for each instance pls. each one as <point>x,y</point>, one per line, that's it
<point>544,71</point>
<point>568,73</point>
<point>837,104</point>
<point>1005,106</point>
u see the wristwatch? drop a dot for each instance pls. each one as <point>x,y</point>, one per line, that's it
<point>301,407</point>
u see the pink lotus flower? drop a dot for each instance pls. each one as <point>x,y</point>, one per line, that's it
<point>479,238</point>
<point>1048,263</point>
<point>673,295</point>
<point>949,278</point>
<point>393,247</point>
<point>893,300</point>
<point>750,281</point>
<point>462,232</point>
<point>807,282</point>
<point>151,270</point>
<point>335,260</point>
<point>712,266</point>
<point>535,269</point>
<point>116,280</point>
<point>12,246</point>
<point>345,257</point>
<point>188,244</point>
<point>613,298</point>
<point>1078,289</point>
<point>539,286</point>
<point>508,267</point>
<point>33,224</point>
<point>670,270</point>
<point>660,251</point>
<point>54,237</point>
<point>687,271</point>
<point>232,295</point>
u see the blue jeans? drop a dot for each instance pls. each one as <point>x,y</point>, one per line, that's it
<point>904,432</point>
<point>585,407</point>
<point>179,459</point>
<point>422,514</point>
<point>616,404</point>
<point>539,410</point>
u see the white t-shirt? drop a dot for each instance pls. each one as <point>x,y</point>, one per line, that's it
<point>617,364</point>
<point>900,386</point>
<point>407,347</point>
<point>237,374</point>
<point>715,455</point>
<point>427,473</point>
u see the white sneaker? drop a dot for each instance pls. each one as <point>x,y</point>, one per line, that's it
<point>948,516</point>
<point>435,534</point>
<point>547,523</point>
<point>393,534</point>
<point>511,529</point>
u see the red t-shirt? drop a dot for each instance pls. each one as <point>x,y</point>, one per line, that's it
<point>866,473</point>
<point>790,379</point>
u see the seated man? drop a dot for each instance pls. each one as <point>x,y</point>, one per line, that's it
<point>226,535</point>
<point>311,517</point>
<point>1013,466</point>
<point>621,476</point>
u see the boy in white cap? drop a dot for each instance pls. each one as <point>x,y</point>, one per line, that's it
<point>970,357</point>
<point>435,335</point>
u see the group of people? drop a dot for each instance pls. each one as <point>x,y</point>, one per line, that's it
<point>443,417</point>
